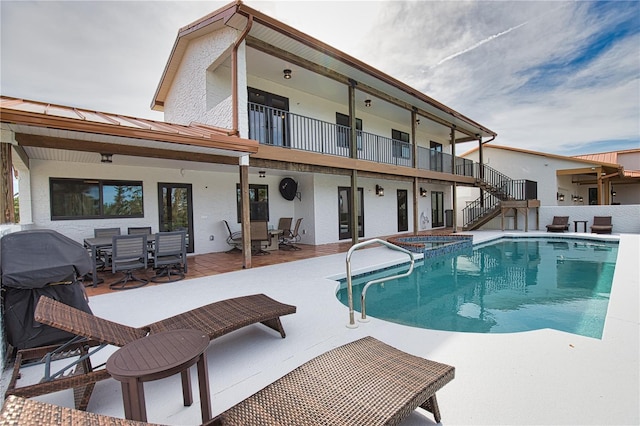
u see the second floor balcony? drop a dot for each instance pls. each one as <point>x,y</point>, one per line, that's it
<point>272,126</point>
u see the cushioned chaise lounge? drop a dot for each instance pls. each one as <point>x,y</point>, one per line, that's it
<point>601,225</point>
<point>365,382</point>
<point>215,319</point>
<point>559,224</point>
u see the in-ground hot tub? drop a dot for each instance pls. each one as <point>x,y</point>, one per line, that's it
<point>434,245</point>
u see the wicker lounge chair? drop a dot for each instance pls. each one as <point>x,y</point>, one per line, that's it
<point>601,225</point>
<point>216,319</point>
<point>365,382</point>
<point>559,224</point>
<point>18,411</point>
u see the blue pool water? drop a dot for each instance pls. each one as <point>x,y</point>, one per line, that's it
<point>511,285</point>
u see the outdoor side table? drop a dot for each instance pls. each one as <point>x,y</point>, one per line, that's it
<point>584,225</point>
<point>158,356</point>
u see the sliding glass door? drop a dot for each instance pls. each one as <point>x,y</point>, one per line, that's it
<point>175,209</point>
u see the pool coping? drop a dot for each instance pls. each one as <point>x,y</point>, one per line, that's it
<point>500,378</point>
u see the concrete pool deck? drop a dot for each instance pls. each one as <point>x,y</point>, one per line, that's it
<point>538,377</point>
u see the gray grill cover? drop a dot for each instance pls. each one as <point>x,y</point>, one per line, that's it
<point>36,258</point>
<point>36,263</point>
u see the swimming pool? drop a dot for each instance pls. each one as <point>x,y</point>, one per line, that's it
<point>509,285</point>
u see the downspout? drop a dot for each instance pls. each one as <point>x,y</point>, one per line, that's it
<point>234,77</point>
<point>244,161</point>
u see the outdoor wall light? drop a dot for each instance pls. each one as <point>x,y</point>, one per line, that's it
<point>559,196</point>
<point>379,191</point>
<point>418,121</point>
<point>423,192</point>
<point>367,103</point>
<point>262,174</point>
<point>106,158</point>
<point>287,74</point>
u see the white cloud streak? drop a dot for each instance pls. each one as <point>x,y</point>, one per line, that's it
<point>478,44</point>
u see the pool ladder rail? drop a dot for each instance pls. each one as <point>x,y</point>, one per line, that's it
<point>352,323</point>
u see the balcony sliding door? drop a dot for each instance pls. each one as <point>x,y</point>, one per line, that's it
<point>268,118</point>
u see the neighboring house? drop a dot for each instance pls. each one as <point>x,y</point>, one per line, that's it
<point>589,180</point>
<point>334,130</point>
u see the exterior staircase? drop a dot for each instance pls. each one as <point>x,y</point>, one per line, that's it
<point>496,188</point>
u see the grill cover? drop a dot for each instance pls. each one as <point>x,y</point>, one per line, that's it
<point>35,263</point>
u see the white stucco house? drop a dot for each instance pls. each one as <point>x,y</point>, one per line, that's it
<point>251,105</point>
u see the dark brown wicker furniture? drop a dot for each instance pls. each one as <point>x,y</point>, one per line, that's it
<point>365,382</point>
<point>156,357</point>
<point>559,224</point>
<point>215,319</point>
<point>601,225</point>
<point>584,225</point>
<point>18,411</point>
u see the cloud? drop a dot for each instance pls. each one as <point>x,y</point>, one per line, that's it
<point>528,70</point>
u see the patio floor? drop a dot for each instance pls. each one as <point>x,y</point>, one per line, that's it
<point>203,265</point>
<point>531,378</point>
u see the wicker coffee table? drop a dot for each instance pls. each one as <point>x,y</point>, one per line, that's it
<point>158,356</point>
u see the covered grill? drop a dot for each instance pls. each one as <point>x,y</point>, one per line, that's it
<point>34,263</point>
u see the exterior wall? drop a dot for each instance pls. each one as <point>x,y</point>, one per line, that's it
<point>538,168</point>
<point>214,200</point>
<point>627,193</point>
<point>201,68</point>
<point>311,105</point>
<point>625,219</point>
<point>629,160</point>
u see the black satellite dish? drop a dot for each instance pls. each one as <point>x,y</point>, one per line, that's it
<point>288,188</point>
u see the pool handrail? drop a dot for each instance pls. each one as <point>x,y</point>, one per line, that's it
<point>352,323</point>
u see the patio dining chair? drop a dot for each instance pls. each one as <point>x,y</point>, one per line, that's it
<point>293,237</point>
<point>260,237</point>
<point>146,230</point>
<point>130,253</point>
<point>170,256</point>
<point>234,239</point>
<point>103,255</point>
<point>284,225</point>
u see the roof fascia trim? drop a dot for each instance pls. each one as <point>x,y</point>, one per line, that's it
<point>229,143</point>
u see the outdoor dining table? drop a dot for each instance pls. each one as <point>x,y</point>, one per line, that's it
<point>95,243</point>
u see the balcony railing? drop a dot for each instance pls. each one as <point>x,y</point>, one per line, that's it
<point>271,126</point>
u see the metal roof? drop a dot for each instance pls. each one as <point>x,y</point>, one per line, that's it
<point>65,122</point>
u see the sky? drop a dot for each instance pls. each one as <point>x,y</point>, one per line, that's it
<point>561,77</point>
